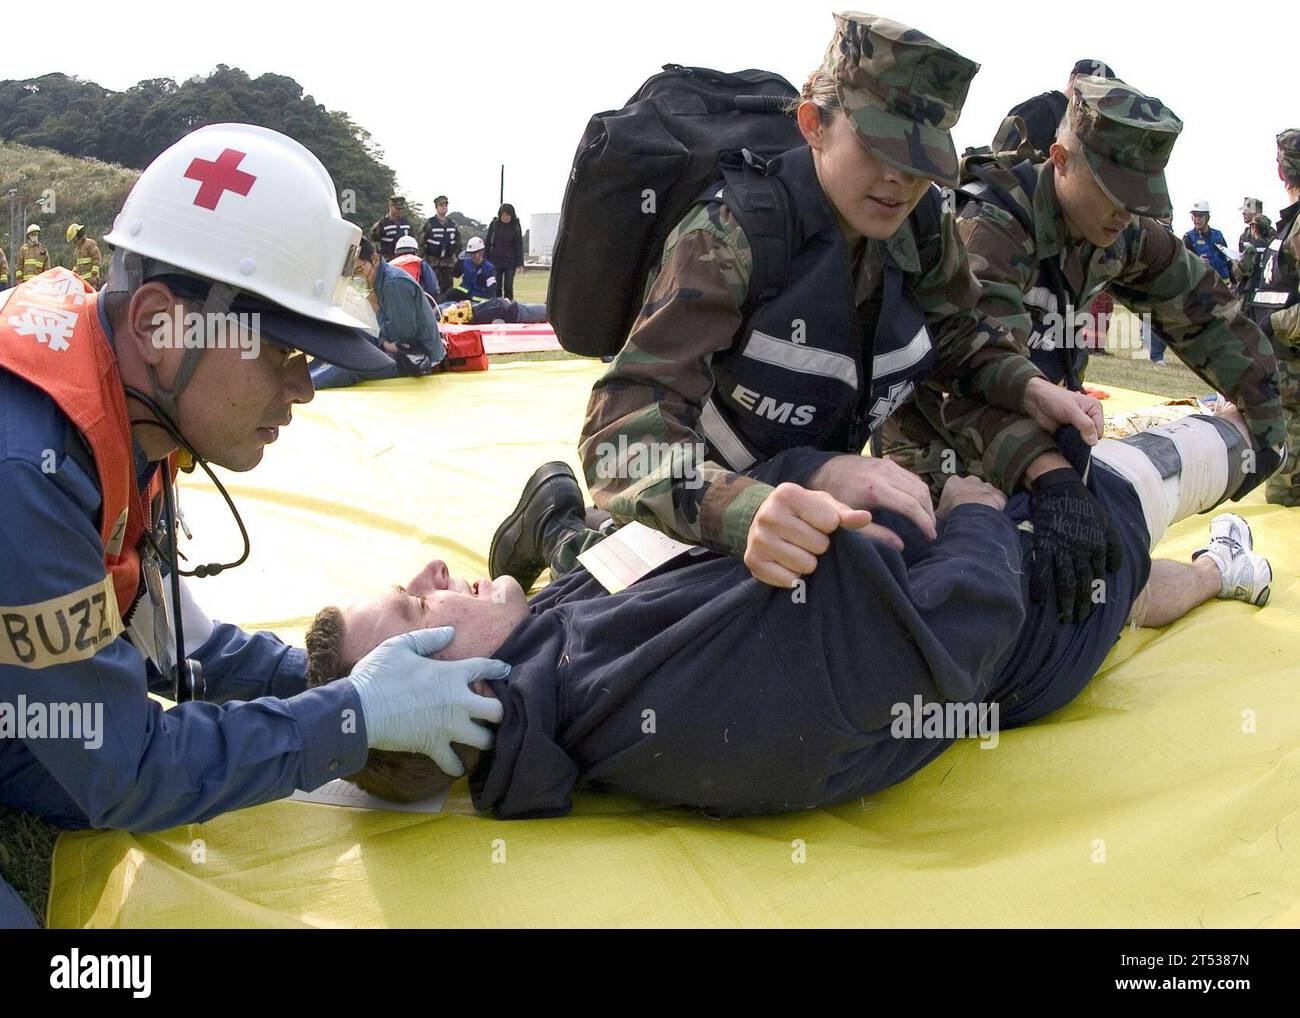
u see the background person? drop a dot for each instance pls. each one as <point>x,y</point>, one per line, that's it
<point>1275,305</point>
<point>408,329</point>
<point>409,261</point>
<point>1250,208</point>
<point>33,257</point>
<point>1043,113</point>
<point>386,231</point>
<point>478,276</point>
<point>85,254</point>
<point>440,238</point>
<point>1208,243</point>
<point>505,248</point>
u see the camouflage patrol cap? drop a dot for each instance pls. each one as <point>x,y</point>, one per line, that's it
<point>1288,149</point>
<point>901,90</point>
<point>1262,221</point>
<point>1127,138</point>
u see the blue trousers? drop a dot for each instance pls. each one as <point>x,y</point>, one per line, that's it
<point>331,376</point>
<point>1155,344</point>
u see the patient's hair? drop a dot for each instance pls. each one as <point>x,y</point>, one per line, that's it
<point>395,777</point>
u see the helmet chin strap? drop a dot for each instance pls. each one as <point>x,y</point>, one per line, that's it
<point>127,273</point>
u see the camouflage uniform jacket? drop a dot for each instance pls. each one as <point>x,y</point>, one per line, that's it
<point>648,405</point>
<point>1147,269</point>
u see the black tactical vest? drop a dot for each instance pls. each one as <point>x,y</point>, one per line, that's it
<point>1278,278</point>
<point>441,242</point>
<point>808,369</point>
<point>387,232</point>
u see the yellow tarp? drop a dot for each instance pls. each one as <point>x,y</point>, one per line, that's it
<point>1165,795</point>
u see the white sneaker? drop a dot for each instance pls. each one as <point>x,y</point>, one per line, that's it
<point>1244,575</point>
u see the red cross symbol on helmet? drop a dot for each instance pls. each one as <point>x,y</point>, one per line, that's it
<point>219,176</point>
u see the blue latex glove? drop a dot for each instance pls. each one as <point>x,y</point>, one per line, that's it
<point>414,705</point>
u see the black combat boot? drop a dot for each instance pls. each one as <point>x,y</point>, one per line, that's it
<point>549,516</point>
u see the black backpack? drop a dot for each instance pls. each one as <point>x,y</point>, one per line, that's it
<point>638,171</point>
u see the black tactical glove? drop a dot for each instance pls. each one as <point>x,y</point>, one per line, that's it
<point>1075,543</point>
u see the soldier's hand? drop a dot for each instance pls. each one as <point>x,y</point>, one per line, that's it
<point>968,491</point>
<point>1052,407</point>
<point>862,482</point>
<point>791,529</point>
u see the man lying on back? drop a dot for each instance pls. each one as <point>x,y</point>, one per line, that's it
<point>699,686</point>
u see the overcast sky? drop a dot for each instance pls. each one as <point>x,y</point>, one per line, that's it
<point>452,92</point>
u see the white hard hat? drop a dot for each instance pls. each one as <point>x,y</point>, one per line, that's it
<point>407,243</point>
<point>34,228</point>
<point>255,210</point>
<point>1202,206</point>
<point>475,244</point>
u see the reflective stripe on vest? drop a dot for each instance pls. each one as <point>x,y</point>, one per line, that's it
<point>50,336</point>
<point>795,375</point>
<point>1277,281</point>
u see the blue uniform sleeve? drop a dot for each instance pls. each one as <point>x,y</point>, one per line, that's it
<point>428,280</point>
<point>135,765</point>
<point>244,666</point>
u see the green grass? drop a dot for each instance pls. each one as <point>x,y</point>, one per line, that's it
<point>26,851</point>
<point>85,190</point>
<point>1173,380</point>
<point>1131,368</point>
<point>530,285</point>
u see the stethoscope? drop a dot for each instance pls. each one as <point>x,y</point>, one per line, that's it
<point>186,675</point>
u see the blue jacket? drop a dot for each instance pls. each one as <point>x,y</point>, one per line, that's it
<point>1211,248</point>
<point>259,737</point>
<point>405,315</point>
<point>479,280</point>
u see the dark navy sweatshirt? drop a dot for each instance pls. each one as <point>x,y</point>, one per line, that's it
<point>701,687</point>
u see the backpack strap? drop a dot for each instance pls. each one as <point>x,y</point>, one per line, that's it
<point>986,187</point>
<point>761,205</point>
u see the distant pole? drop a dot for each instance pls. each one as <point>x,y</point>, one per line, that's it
<point>13,231</point>
<point>501,198</point>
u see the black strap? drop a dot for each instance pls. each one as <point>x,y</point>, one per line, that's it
<point>761,205</point>
<point>1026,174</point>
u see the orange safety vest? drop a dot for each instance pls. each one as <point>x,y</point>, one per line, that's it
<point>50,336</point>
<point>410,264</point>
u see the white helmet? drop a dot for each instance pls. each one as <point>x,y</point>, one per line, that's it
<point>475,244</point>
<point>407,243</point>
<point>1202,206</point>
<point>252,209</point>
